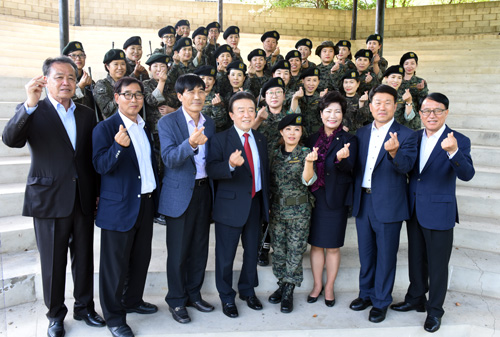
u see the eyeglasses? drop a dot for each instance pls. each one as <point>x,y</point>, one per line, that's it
<point>168,37</point>
<point>128,96</point>
<point>437,112</point>
<point>275,93</point>
<point>77,56</point>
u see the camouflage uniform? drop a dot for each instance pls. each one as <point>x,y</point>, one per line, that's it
<point>269,128</point>
<point>326,80</point>
<point>254,84</point>
<point>130,70</point>
<point>416,94</point>
<point>294,83</point>
<point>355,118</point>
<point>271,65</point>
<point>205,59</point>
<point>308,106</point>
<point>382,65</point>
<point>291,205</point>
<point>363,86</point>
<point>104,96</point>
<point>84,96</point>
<point>218,113</point>
<point>399,115</point>
<point>177,70</point>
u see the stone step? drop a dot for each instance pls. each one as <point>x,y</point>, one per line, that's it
<point>473,91</point>
<point>486,155</point>
<point>14,169</point>
<point>6,151</point>
<point>462,121</point>
<point>479,202</point>
<point>11,199</point>
<point>7,109</point>
<point>16,234</point>
<point>482,137</point>
<point>485,177</point>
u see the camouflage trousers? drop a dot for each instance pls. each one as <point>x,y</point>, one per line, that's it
<point>289,242</point>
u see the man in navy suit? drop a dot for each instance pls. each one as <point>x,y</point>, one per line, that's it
<point>444,156</point>
<point>386,153</point>
<point>237,162</point>
<point>123,156</point>
<point>186,197</point>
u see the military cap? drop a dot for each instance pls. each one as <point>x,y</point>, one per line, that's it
<point>72,46</point>
<point>353,74</point>
<point>291,119</point>
<point>183,42</point>
<point>214,24</point>
<point>364,53</point>
<point>256,52</point>
<point>283,64</point>
<point>323,45</point>
<point>311,71</point>
<point>200,31</point>
<point>158,58</point>
<point>225,48</point>
<point>113,54</point>
<point>407,56</point>
<point>293,54</point>
<point>275,82</point>
<point>394,70</point>
<point>238,65</point>
<point>343,43</point>
<point>230,31</point>
<point>274,34</point>
<point>375,37</point>
<point>304,42</point>
<point>166,30</point>
<point>133,41</point>
<point>182,23</point>
<point>205,71</point>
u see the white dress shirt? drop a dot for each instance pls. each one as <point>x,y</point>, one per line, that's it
<point>199,158</point>
<point>427,145</point>
<point>255,156</point>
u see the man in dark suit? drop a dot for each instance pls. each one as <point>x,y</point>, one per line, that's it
<point>237,162</point>
<point>386,153</point>
<point>61,189</point>
<point>123,155</point>
<point>186,197</point>
<point>444,156</point>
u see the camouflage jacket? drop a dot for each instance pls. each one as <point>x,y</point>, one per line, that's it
<point>356,117</point>
<point>104,96</point>
<point>177,70</point>
<point>85,96</point>
<point>269,128</point>
<point>218,113</point>
<point>399,115</point>
<point>326,79</point>
<point>382,64</point>
<point>309,109</point>
<point>270,64</point>
<point>363,86</point>
<point>254,84</point>
<point>153,99</point>
<point>130,71</point>
<point>416,94</point>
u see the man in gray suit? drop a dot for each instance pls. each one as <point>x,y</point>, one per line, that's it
<point>186,197</point>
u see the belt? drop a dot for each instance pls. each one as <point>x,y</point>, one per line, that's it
<point>366,190</point>
<point>200,182</point>
<point>292,201</point>
<point>146,196</point>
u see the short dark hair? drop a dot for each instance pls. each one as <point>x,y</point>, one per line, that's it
<point>240,95</point>
<point>188,82</point>
<point>333,97</point>
<point>437,97</point>
<point>383,89</point>
<point>126,81</point>
<point>47,64</point>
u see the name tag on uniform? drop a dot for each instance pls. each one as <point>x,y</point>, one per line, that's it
<point>294,160</point>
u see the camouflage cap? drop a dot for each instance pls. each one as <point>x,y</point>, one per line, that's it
<point>133,41</point>
<point>324,44</point>
<point>71,47</point>
<point>113,54</point>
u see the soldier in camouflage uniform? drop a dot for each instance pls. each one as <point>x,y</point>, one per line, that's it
<point>223,57</point>
<point>270,44</point>
<point>115,65</point>
<point>326,52</point>
<point>133,53</point>
<point>418,86</point>
<point>182,29</point>
<point>214,106</point>
<point>167,35</point>
<point>344,55</point>
<point>294,58</point>
<point>358,111</point>
<point>257,71</point>
<point>292,171</point>
<point>304,46</point>
<point>183,51</point>
<point>232,37</point>
<point>213,35</point>
<point>379,64</point>
<point>282,69</point>
<point>236,76</point>
<point>367,78</point>
<point>200,56</point>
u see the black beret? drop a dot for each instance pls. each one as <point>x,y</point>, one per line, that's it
<point>200,31</point>
<point>311,71</point>
<point>133,41</point>
<point>375,37</point>
<point>114,54</point>
<point>231,30</point>
<point>291,119</point>
<point>72,46</point>
<point>183,42</point>
<point>214,24</point>
<point>364,53</point>
<point>238,65</point>
<point>166,30</point>
<point>407,56</point>
<point>158,58</point>
<point>293,54</point>
<point>323,45</point>
<point>343,43</point>
<point>182,23</point>
<point>304,42</point>
<point>205,71</point>
<point>274,34</point>
<point>353,74</point>
<point>225,48</point>
<point>283,64</point>
<point>394,70</point>
<point>256,52</point>
<point>275,82</point>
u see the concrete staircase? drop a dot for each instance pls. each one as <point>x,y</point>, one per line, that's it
<point>461,67</point>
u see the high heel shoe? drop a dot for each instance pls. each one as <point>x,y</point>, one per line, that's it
<point>311,299</point>
<point>330,303</point>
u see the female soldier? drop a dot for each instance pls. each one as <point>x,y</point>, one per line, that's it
<point>257,74</point>
<point>133,54</point>
<point>344,56</point>
<point>294,58</point>
<point>379,64</point>
<point>167,35</point>
<point>418,86</point>
<point>236,75</point>
<point>326,52</point>
<point>304,46</point>
<point>200,56</point>
<point>357,112</point>
<point>292,170</point>
<point>367,78</point>
<point>232,37</point>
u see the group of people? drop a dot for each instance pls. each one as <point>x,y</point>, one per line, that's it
<point>276,153</point>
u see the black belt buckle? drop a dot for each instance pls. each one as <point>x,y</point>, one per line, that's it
<point>367,190</point>
<point>200,182</point>
<point>147,195</point>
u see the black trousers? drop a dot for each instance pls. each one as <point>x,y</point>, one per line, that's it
<point>54,237</point>
<point>125,257</point>
<point>429,253</point>
<point>187,247</point>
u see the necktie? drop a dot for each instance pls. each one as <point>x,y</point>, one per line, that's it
<point>248,153</point>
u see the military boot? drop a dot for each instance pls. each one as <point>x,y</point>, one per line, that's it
<point>287,298</point>
<point>275,297</point>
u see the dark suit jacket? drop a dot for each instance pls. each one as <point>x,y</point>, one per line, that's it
<point>233,193</point>
<point>178,157</point>
<point>389,181</point>
<point>432,192</point>
<point>120,196</point>
<point>55,165</point>
<point>338,176</point>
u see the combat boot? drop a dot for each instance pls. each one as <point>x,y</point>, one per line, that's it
<point>287,298</point>
<point>275,297</point>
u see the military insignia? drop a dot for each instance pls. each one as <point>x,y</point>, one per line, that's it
<point>308,43</point>
<point>139,39</point>
<point>353,74</point>
<point>286,64</point>
<point>228,48</point>
<point>400,69</point>
<point>367,54</point>
<point>187,23</point>
<point>122,55</point>
<point>316,72</point>
<point>412,55</point>
<point>296,54</point>
<point>298,120</point>
<point>275,34</point>
<point>166,59</point>
<point>236,30</point>
<point>294,160</point>
<point>378,37</point>
<point>212,72</point>
<point>217,25</point>
<point>205,32</point>
<point>280,82</point>
<point>344,43</point>
<point>187,42</point>
<point>240,66</point>
<point>305,148</point>
<point>78,46</point>
<point>260,52</point>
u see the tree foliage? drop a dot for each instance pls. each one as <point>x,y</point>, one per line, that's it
<point>324,4</point>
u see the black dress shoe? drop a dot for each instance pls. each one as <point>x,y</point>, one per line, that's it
<point>311,299</point>
<point>329,303</point>
<point>252,301</point>
<point>263,259</point>
<point>360,304</point>
<point>121,331</point>
<point>230,310</point>
<point>432,323</point>
<point>91,319</point>
<point>180,314</point>
<point>160,220</point>
<point>145,308</point>
<point>201,305</point>
<point>405,306</point>
<point>56,329</point>
<point>377,315</point>
<point>275,297</point>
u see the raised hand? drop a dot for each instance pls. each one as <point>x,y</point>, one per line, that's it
<point>216,100</point>
<point>34,90</point>
<point>392,145</point>
<point>197,137</point>
<point>323,93</point>
<point>85,80</point>
<point>368,77</point>
<point>262,114</point>
<point>364,98</point>
<point>407,96</point>
<point>251,70</point>
<point>138,68</point>
<point>335,67</point>
<point>163,109</point>
<point>176,57</point>
<point>421,85</point>
<point>236,159</point>
<point>299,93</point>
<point>343,152</point>
<point>449,144</point>
<point>162,76</point>
<point>122,137</point>
<point>313,155</point>
<point>376,58</point>
<point>276,52</point>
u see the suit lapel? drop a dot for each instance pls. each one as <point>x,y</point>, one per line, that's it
<point>236,143</point>
<point>118,121</point>
<point>364,135</point>
<point>55,121</point>
<point>183,128</point>
<point>436,150</point>
<point>394,128</point>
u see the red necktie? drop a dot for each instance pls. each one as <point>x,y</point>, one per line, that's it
<point>248,152</point>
